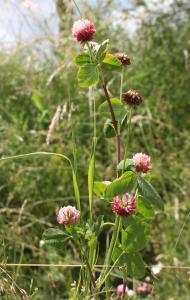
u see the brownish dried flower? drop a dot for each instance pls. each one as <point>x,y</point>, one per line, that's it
<point>124,58</point>
<point>132,98</point>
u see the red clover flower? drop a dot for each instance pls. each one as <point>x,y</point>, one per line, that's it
<point>124,58</point>
<point>132,98</point>
<point>119,291</point>
<point>68,215</point>
<point>83,30</point>
<point>142,162</point>
<point>124,206</point>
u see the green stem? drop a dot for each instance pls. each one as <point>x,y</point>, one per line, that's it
<point>127,140</point>
<point>78,9</point>
<point>111,249</point>
<point>76,190</point>
<point>124,282</point>
<point>121,84</point>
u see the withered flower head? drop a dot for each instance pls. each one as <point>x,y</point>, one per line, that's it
<point>132,98</point>
<point>124,58</point>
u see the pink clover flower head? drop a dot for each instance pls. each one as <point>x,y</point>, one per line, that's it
<point>83,30</point>
<point>119,291</point>
<point>124,206</point>
<point>68,215</point>
<point>142,162</point>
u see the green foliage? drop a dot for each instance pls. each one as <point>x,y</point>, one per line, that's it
<point>88,75</point>
<point>91,181</point>
<point>99,188</point>
<point>144,208</point>
<point>102,50</point>
<point>121,185</point>
<point>109,129</point>
<point>135,237</point>
<point>117,107</point>
<point>82,59</point>
<point>148,192</point>
<point>55,237</point>
<point>111,61</point>
<point>135,265</point>
<point>30,190</point>
<point>125,164</point>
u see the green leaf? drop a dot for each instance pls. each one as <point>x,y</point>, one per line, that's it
<point>55,237</point>
<point>102,50</point>
<point>127,164</point>
<point>117,107</point>
<point>135,265</point>
<point>88,75</point>
<point>116,253</point>
<point>99,188</point>
<point>149,193</point>
<point>76,188</point>
<point>130,220</point>
<point>37,101</point>
<point>144,208</point>
<point>135,237</point>
<point>121,185</point>
<point>124,120</point>
<point>111,61</point>
<point>98,226</point>
<point>109,130</point>
<point>82,59</point>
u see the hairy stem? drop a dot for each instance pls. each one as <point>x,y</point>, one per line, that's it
<point>110,108</point>
<point>115,124</point>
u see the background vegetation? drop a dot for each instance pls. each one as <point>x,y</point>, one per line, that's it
<point>34,81</point>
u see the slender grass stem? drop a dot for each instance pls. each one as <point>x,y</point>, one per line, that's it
<point>33,154</point>
<point>121,84</point>
<point>127,140</point>
<point>78,9</point>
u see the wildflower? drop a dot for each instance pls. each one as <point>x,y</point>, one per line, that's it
<point>143,289</point>
<point>132,98</point>
<point>142,162</point>
<point>124,59</point>
<point>119,291</point>
<point>124,206</point>
<point>68,215</point>
<point>83,31</point>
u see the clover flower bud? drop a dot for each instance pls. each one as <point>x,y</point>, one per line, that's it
<point>119,291</point>
<point>124,58</point>
<point>83,30</point>
<point>68,215</point>
<point>124,206</point>
<point>142,162</point>
<point>132,98</point>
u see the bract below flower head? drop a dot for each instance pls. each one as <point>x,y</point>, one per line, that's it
<point>83,30</point>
